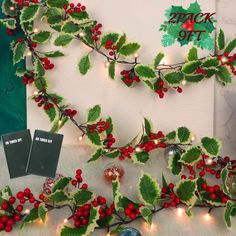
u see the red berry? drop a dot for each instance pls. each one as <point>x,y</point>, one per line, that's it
<point>210,189</point>
<point>19,40</point>
<point>17,217</point>
<point>226,54</point>
<point>83,8</point>
<point>74,182</point>
<point>79,172</point>
<point>77,224</point>
<point>179,90</point>
<point>216,188</point>
<point>164,190</point>
<point>166,205</point>
<point>22,200</point>
<point>19,208</point>
<point>84,186</point>
<point>27,192</point>
<point>4,206</point>
<point>36,205</point>
<point>20,195</point>
<point>8,229</point>
<point>95,203</point>
<point>84,221</point>
<point>171,185</point>
<point>212,196</point>
<point>32,200</point>
<point>72,5</point>
<point>12,200</point>
<point>224,199</point>
<point>204,186</point>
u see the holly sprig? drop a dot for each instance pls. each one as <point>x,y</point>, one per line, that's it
<point>89,212</point>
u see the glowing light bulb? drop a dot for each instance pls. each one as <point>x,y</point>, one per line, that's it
<point>27,211</point>
<point>106,150</point>
<point>171,152</point>
<point>207,217</point>
<point>150,228</point>
<point>193,138</point>
<point>156,141</point>
<point>29,54</point>
<point>107,64</point>
<point>35,93</point>
<point>136,55</point>
<point>209,161</point>
<point>224,59</point>
<point>36,30</point>
<point>12,8</point>
<point>81,34</point>
<point>80,138</point>
<point>180,211</point>
<point>65,220</point>
<point>184,82</point>
<point>59,122</point>
<point>138,149</point>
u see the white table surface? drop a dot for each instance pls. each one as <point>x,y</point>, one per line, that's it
<point>72,157</point>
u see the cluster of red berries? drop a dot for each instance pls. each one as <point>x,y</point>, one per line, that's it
<point>129,77</point>
<point>100,126</point>
<point>74,8</point>
<point>201,71</point>
<point>131,211</point>
<point>110,46</point>
<point>161,89</point>
<point>70,112</point>
<point>215,192</point>
<point>28,78</point>
<point>229,60</point>
<point>189,25</point>
<point>47,63</point>
<point>168,194</point>
<point>24,196</point>
<point>78,180</point>
<point>43,100</point>
<point>21,3</point>
<point>126,152</point>
<point>104,210</point>
<point>110,140</point>
<point>81,217</point>
<point>96,32</point>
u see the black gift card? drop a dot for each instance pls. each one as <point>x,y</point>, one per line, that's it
<point>44,153</point>
<point>17,147</point>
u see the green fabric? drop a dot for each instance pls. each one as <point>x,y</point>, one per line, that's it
<point>12,90</point>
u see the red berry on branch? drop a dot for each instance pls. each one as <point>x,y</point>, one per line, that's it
<point>84,186</point>
<point>17,217</point>
<point>213,196</point>
<point>19,208</point>
<point>4,206</point>
<point>74,182</point>
<point>226,54</point>
<point>12,200</point>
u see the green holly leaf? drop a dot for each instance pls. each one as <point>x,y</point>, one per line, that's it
<point>56,126</point>
<point>70,28</point>
<point>79,16</point>
<point>53,16</point>
<point>164,182</point>
<point>58,97</point>
<point>205,43</point>
<point>171,135</point>
<point>116,193</point>
<point>51,112</point>
<point>194,7</point>
<point>149,190</point>
<point>167,40</point>
<point>94,137</point>
<point>225,75</point>
<point>40,82</point>
<point>63,40</point>
<point>84,65</point>
<point>175,165</point>
<point>111,36</point>
<point>82,196</point>
<point>61,184</point>
<point>140,158</point>
<point>95,156</point>
<point>194,78</point>
<point>211,146</point>
<point>111,69</point>
<point>29,13</point>
<point>110,128</point>
<point>59,196</point>
<point>210,62</point>
<point>147,125</point>
<point>146,213</point>
<point>145,71</point>
<point>221,40</point>
<point>31,217</point>
<point>57,3</point>
<point>38,68</point>
<point>158,59</point>
<point>185,190</point>
<point>129,49</point>
<point>183,135</point>
<point>8,23</point>
<point>42,212</point>
<point>113,154</point>
<point>6,4</point>
<point>20,71</point>
<point>191,156</point>
<point>42,36</point>
<point>224,176</point>
<point>192,54</point>
<point>230,46</point>
<point>19,52</point>
<point>230,207</point>
<point>94,114</point>
<point>106,221</point>
<point>149,84</point>
<point>121,42</point>
<point>211,71</point>
<point>174,77</point>
<point>54,54</point>
<point>190,67</point>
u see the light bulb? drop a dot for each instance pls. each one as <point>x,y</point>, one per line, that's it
<point>12,8</point>
<point>65,220</point>
<point>27,211</point>
<point>209,161</point>
<point>224,59</point>
<point>81,34</point>
<point>136,55</point>
<point>138,149</point>
<point>59,122</point>
<point>184,82</point>
<point>35,93</point>
<point>36,30</point>
<point>80,138</point>
<point>107,64</point>
<point>29,54</point>
<point>171,152</point>
<point>180,211</point>
<point>193,138</point>
<point>207,217</point>
<point>156,141</point>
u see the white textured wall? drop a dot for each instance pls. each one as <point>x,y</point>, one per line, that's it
<point>141,21</point>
